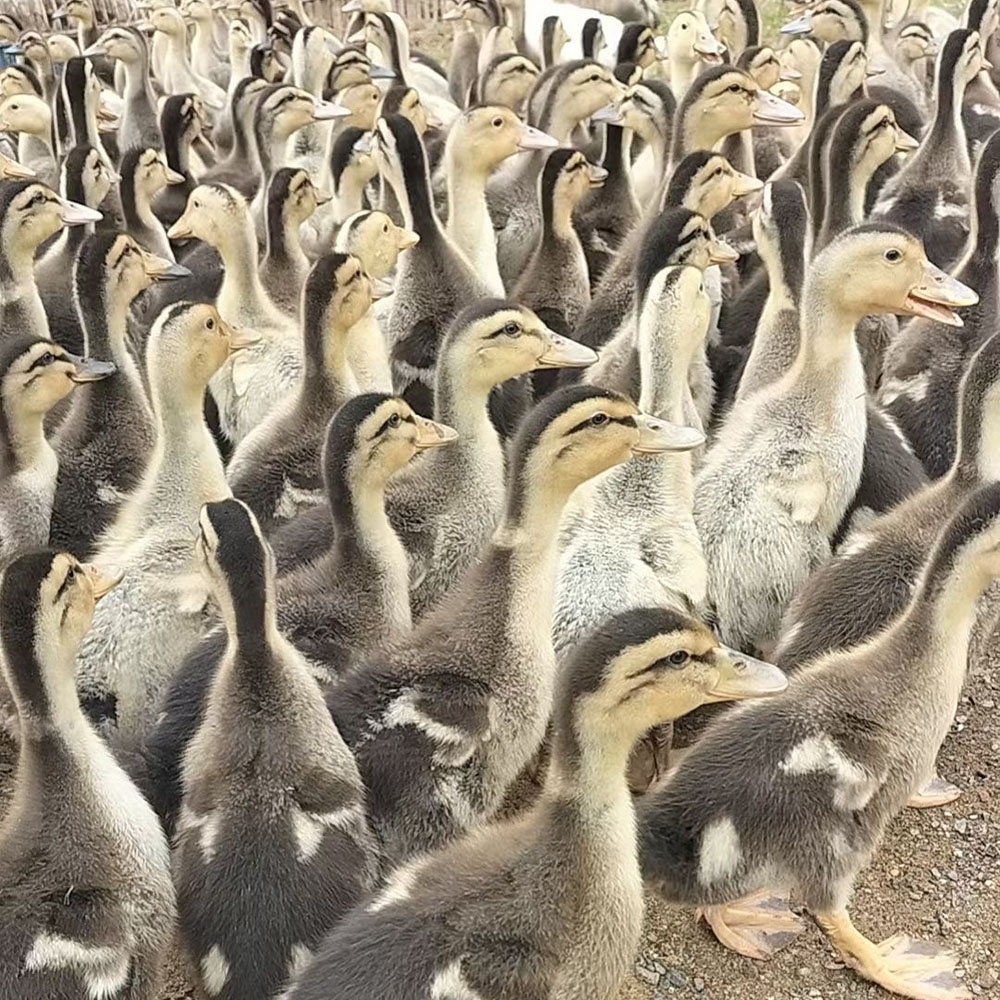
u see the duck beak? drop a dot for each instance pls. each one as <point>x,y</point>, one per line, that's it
<point>771,110</point>
<point>75,214</point>
<point>741,676</point>
<point>561,352</point>
<point>598,175</point>
<point>89,369</point>
<point>610,114</point>
<point>788,74</point>
<point>239,340</point>
<point>382,288</point>
<point>658,436</point>
<point>161,269</point>
<point>905,143</point>
<point>352,7</point>
<point>327,110</point>
<point>382,73</point>
<point>873,71</point>
<point>744,184</point>
<point>407,238</point>
<point>454,14</point>
<point>431,434</point>
<point>16,171</point>
<point>102,583</point>
<point>13,51</point>
<point>709,50</point>
<point>529,137</point>
<point>173,177</point>
<point>97,50</point>
<point>435,122</point>
<point>321,196</point>
<point>801,25</point>
<point>937,295</point>
<point>181,229</point>
<point>361,35</point>
<point>722,253</point>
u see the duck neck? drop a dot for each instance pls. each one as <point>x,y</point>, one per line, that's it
<point>254,638</point>
<point>683,72</point>
<point>26,442</point>
<point>203,42</point>
<point>827,343</point>
<point>415,203</point>
<point>241,291</point>
<point>874,10</point>
<point>945,143</point>
<point>17,283</point>
<point>177,149</point>
<point>559,217</point>
<point>845,196</point>
<point>691,134</point>
<point>137,86</point>
<point>283,240</point>
<point>349,197</point>
<point>138,211</point>
<point>665,356</point>
<point>983,257</point>
<point>528,531</point>
<point>328,380</point>
<point>560,122</point>
<point>469,222</point>
<point>105,331</point>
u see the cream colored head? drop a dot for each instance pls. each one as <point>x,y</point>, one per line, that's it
<point>676,304</point>
<point>488,135</point>
<point>14,81</point>
<point>584,89</point>
<point>34,48</point>
<point>375,240</point>
<point>118,43</point>
<point>508,81</point>
<point>31,212</point>
<point>707,183</point>
<point>213,211</point>
<point>169,21</point>
<point>362,100</point>
<point>81,11</point>
<point>151,174</point>
<point>26,113</point>
<point>62,48</point>
<point>690,40</point>
<point>915,42</point>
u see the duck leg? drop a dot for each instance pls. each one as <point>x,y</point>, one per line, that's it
<point>903,965</point>
<point>936,792</point>
<point>757,926</point>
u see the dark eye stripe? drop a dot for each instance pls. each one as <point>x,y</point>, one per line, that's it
<point>385,425</point>
<point>67,580</point>
<point>584,424</point>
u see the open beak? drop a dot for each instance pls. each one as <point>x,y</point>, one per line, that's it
<point>610,114</point>
<point>161,269</point>
<point>744,184</point>
<point>327,110</point>
<point>382,73</point>
<point>722,253</point>
<point>801,25</point>
<point>741,676</point>
<point>937,295</point>
<point>533,138</point>
<point>905,143</point>
<point>710,51</point>
<point>75,214</point>
<point>102,583</point>
<point>89,369</point>
<point>771,110</point>
<point>658,436</point>
<point>431,434</point>
<point>407,238</point>
<point>562,352</point>
<point>352,7</point>
<point>181,229</point>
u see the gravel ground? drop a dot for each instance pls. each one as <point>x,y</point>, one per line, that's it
<point>937,876</point>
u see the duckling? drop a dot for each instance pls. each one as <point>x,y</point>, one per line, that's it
<point>553,41</point>
<point>556,283</point>
<point>571,93</point>
<point>86,180</point>
<point>176,73</point>
<point>233,170</point>
<point>506,80</point>
<point>480,651</point>
<point>690,47</point>
<point>915,51</point>
<point>275,469</point>
<point>557,892</point>
<point>313,53</point>
<point>155,618</point>
<point>846,744</point>
<point>89,907</point>
<point>181,120</point>
<point>473,19</point>
<point>30,212</point>
<point>923,368</point>
<point>239,42</point>
<point>648,110</point>
<point>265,64</point>
<point>291,200</point>
<point>206,59</point>
<point>764,492</point>
<point>82,12</point>
<point>29,116</point>
<point>81,96</point>
<point>929,195</point>
<point>248,388</point>
<point>237,822</point>
<point>62,48</point>
<point>108,435</point>
<point>352,167</point>
<point>129,48</point>
<point>637,45</point>
<point>35,375</point>
<point>736,23</point>
<point>144,173</point>
<point>492,134</point>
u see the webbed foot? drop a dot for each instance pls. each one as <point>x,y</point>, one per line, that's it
<point>937,792</point>
<point>757,926</point>
<point>921,970</point>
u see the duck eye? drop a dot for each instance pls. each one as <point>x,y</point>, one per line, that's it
<point>678,658</point>
<point>511,329</point>
<point>210,324</point>
<point>395,420</point>
<point>46,359</point>
<point>385,228</point>
<point>734,88</point>
<point>497,122</point>
<point>599,419</point>
<point>594,78</point>
<point>893,255</point>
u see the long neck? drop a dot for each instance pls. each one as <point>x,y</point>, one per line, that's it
<point>26,439</point>
<point>827,343</point>
<point>945,144</point>
<point>350,197</point>
<point>18,290</point>
<point>241,290</point>
<point>415,202</point>
<point>283,240</point>
<point>692,133</point>
<point>664,360</point>
<point>177,149</point>
<point>469,222</point>
<point>328,379</point>
<point>845,194</point>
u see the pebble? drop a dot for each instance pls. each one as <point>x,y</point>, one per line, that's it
<point>677,978</point>
<point>989,979</point>
<point>962,826</point>
<point>647,975</point>
<point>699,984</point>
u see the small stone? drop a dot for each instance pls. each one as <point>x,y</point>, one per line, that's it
<point>953,876</point>
<point>658,967</point>
<point>962,826</point>
<point>989,979</point>
<point>647,975</point>
<point>988,703</point>
<point>804,972</point>
<point>699,984</point>
<point>916,895</point>
<point>677,978</point>
<point>815,993</point>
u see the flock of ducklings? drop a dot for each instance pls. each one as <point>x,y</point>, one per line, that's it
<point>378,441</point>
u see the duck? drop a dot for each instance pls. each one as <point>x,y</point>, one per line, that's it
<point>929,194</point>
<point>275,469</point>
<point>320,608</point>
<point>81,96</point>
<point>377,242</point>
<point>176,72</point>
<point>507,80</point>
<point>11,170</point>
<point>239,42</point>
<point>847,743</point>
<point>29,116</point>
<point>634,542</point>
<point>182,121</point>
<point>690,46</point>
<point>915,51</point>
<point>265,64</point>
<point>736,23</point>
<point>62,48</point>
<point>35,375</point>
<point>493,134</point>
<point>144,173</point>
<point>648,110</point>
<point>233,169</point>
<point>299,804</point>
<point>108,435</point>
<point>313,52</point>
<point>923,368</point>
<point>472,19</point>
<point>206,59</point>
<point>86,180</point>
<point>430,778</point>
<point>156,616</point>
<point>885,559</point>
<point>553,41</point>
<point>83,13</point>
<point>352,167</point>
<point>635,670</point>
<point>250,385</point>
<point>556,282</point>
<point>291,200</point>
<point>90,907</point>
<point>758,494</point>
<point>30,212</point>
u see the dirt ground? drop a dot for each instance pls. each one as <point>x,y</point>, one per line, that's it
<point>937,876</point>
